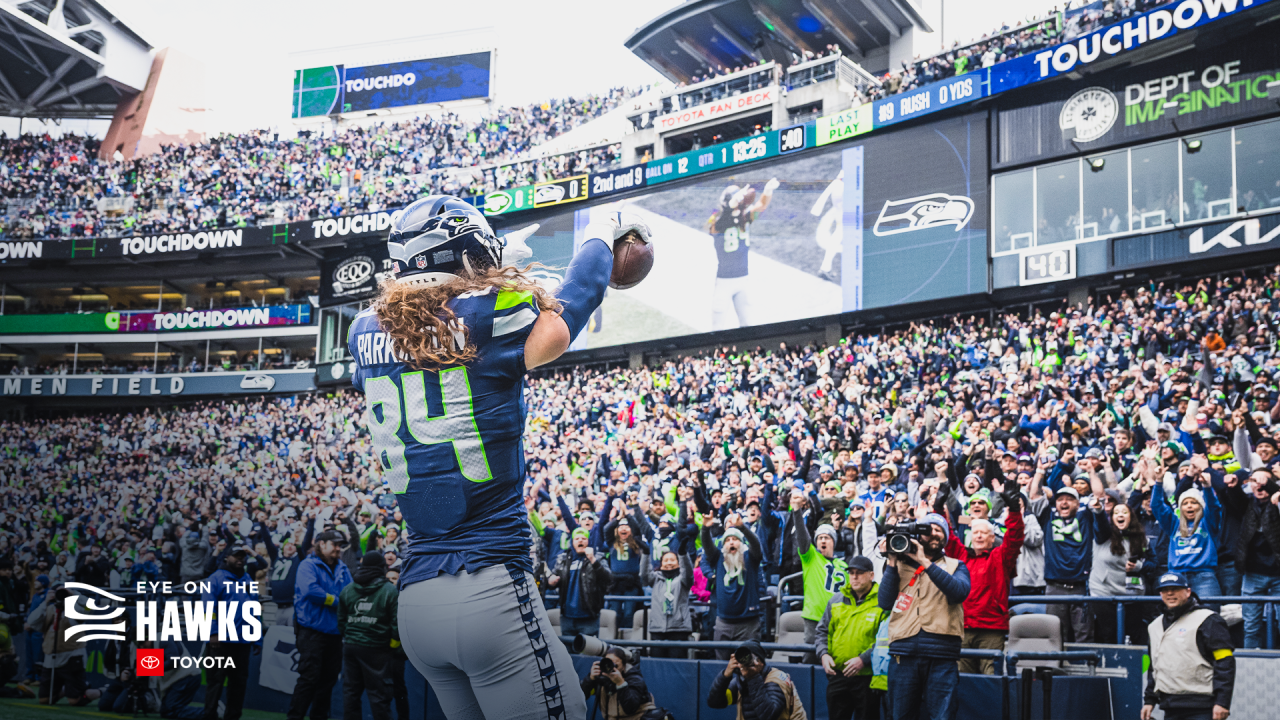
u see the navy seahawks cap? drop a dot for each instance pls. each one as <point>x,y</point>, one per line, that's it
<point>1172,580</point>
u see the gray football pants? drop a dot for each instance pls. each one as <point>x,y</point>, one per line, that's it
<point>486,647</point>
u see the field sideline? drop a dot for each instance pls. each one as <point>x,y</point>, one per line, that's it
<point>17,709</point>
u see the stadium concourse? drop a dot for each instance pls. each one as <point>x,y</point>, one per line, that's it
<point>1150,393</point>
<point>257,178</point>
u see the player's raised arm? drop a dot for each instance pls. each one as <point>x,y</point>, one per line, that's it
<point>583,288</point>
<point>765,196</point>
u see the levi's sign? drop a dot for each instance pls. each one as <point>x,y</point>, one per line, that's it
<point>755,100</point>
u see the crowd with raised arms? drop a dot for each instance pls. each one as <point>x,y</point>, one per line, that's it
<point>55,186</point>
<point>1083,450</point>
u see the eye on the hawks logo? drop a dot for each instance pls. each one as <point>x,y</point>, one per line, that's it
<point>92,616</point>
<point>150,663</point>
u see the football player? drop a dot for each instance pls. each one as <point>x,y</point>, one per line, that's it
<point>730,227</point>
<point>441,357</point>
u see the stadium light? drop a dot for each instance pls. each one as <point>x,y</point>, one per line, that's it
<point>1096,164</point>
<point>1193,146</point>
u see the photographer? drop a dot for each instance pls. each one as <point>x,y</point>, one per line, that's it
<point>64,660</point>
<point>923,591</point>
<point>619,688</point>
<point>759,691</point>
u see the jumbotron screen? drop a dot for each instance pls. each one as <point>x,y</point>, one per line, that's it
<point>333,89</point>
<point>867,225</point>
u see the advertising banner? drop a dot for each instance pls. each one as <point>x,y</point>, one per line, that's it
<point>213,319</point>
<point>222,242</point>
<point>317,91</point>
<point>334,89</point>
<point>416,82</point>
<point>129,322</point>
<point>755,101</point>
<point>183,384</point>
<point>367,224</point>
<point>59,324</point>
<point>353,273</point>
<point>1206,241</point>
<point>1122,37</point>
<point>217,242</point>
<point>1197,88</point>
<point>852,122</point>
<point>280,657</point>
<point>505,201</point>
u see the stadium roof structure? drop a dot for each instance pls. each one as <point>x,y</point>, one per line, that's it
<point>699,34</point>
<point>67,59</point>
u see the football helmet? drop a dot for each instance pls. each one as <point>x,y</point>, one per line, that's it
<point>729,196</point>
<point>440,238</point>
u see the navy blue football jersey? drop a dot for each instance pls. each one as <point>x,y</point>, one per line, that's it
<point>730,232</point>
<point>448,439</point>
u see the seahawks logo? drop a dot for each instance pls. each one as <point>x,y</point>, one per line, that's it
<point>922,213</point>
<point>435,232</point>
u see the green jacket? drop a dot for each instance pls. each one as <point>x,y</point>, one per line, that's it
<point>848,627</point>
<point>367,614</point>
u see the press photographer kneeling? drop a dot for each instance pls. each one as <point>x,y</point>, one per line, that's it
<point>760,692</point>
<point>922,590</point>
<point>616,683</point>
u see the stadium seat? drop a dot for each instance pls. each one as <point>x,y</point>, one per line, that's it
<point>608,625</point>
<point>639,629</point>
<point>791,632</point>
<point>554,616</point>
<point>1035,633</point>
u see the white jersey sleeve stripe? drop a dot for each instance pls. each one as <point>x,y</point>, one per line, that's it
<point>510,323</point>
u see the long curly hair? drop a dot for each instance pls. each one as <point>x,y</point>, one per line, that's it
<point>417,316</point>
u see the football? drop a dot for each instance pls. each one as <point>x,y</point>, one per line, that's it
<point>748,198</point>
<point>632,261</point>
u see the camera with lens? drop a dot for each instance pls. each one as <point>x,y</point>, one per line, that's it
<point>607,665</point>
<point>744,657</point>
<point>899,537</point>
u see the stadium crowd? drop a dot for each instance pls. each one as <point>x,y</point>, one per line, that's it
<point>256,177</point>
<point>1009,42</point>
<point>57,187</point>
<point>1080,451</point>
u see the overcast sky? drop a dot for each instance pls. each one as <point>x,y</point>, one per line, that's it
<point>552,48</point>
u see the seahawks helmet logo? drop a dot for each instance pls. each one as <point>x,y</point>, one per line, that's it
<point>921,213</point>
<point>414,244</point>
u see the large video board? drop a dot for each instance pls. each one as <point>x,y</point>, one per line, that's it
<point>336,88</point>
<point>785,240</point>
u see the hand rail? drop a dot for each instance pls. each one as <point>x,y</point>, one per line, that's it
<point>1003,659</point>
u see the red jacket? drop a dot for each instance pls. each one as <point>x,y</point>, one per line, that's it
<point>987,607</point>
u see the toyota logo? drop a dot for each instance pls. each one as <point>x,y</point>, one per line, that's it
<point>354,271</point>
<point>150,662</point>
